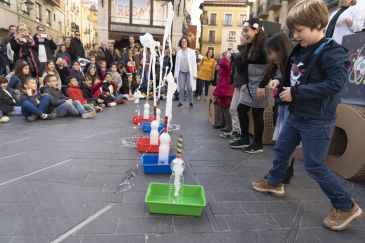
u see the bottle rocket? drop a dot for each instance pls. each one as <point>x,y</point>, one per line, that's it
<point>146,111</point>
<point>164,149</point>
<point>177,177</point>
<point>154,134</point>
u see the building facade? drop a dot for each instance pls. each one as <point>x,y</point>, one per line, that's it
<point>49,13</point>
<point>222,24</point>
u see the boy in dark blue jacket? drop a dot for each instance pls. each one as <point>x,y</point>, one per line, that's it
<point>315,75</point>
<point>33,105</point>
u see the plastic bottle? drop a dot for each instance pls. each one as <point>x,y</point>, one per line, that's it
<point>146,111</point>
<point>177,180</point>
<point>164,149</point>
<point>154,134</point>
<point>158,115</point>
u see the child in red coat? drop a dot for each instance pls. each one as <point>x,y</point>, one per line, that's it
<point>75,93</point>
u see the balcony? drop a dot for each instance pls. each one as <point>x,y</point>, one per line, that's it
<point>331,3</point>
<point>273,4</point>
<point>227,24</point>
<point>262,11</point>
<point>211,42</point>
<point>212,23</point>
<point>54,2</point>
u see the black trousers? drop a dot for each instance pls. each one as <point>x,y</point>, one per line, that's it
<point>258,122</point>
<point>200,84</point>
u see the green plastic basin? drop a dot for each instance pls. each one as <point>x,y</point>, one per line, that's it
<point>192,201</point>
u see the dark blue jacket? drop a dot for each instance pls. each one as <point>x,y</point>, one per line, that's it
<point>316,97</point>
<point>33,99</point>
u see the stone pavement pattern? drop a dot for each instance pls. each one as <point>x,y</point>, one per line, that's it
<point>55,174</point>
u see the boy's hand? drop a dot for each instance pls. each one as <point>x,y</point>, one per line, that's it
<point>286,95</point>
<point>274,83</point>
<point>16,92</point>
<point>29,92</point>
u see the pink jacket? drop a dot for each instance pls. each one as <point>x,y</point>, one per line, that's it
<point>224,88</point>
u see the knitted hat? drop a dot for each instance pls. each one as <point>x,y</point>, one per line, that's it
<point>253,23</point>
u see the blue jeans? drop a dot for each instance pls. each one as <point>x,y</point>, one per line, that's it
<point>66,108</point>
<point>117,98</point>
<point>79,107</point>
<point>28,108</point>
<point>315,136</point>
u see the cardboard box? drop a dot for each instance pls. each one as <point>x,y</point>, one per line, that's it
<point>213,110</point>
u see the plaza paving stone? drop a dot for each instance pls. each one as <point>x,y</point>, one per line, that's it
<point>54,175</point>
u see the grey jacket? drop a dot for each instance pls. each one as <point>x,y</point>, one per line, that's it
<point>256,73</point>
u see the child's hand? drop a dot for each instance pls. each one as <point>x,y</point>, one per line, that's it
<point>286,95</point>
<point>100,101</point>
<point>260,93</point>
<point>16,92</point>
<point>30,92</point>
<point>274,83</point>
<point>243,87</point>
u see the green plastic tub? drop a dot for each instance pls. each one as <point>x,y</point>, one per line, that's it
<point>192,202</point>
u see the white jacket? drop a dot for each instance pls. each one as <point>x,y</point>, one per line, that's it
<point>342,29</point>
<point>192,67</point>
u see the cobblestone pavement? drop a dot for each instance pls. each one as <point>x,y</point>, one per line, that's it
<point>62,180</point>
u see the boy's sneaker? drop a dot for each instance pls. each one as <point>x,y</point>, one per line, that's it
<point>101,105</point>
<point>112,104</point>
<point>98,109</point>
<point>198,97</point>
<point>265,186</point>
<point>339,220</point>
<point>253,149</point>
<point>191,105</point>
<point>88,115</point>
<point>4,119</point>
<point>179,105</point>
<point>239,144</point>
<point>50,116</point>
<point>32,118</point>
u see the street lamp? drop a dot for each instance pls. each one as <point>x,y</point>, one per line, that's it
<point>27,3</point>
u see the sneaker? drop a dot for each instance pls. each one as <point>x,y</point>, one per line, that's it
<point>226,129</point>
<point>253,149</point>
<point>179,105</point>
<point>98,108</point>
<point>4,119</point>
<point>198,97</point>
<point>229,135</point>
<point>112,104</point>
<point>121,102</point>
<point>32,118</point>
<point>191,106</point>
<point>339,220</point>
<point>50,116</point>
<point>88,115</point>
<point>240,143</point>
<point>264,185</point>
<point>102,105</point>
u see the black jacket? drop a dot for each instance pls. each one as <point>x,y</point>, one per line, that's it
<point>6,102</point>
<point>316,96</point>
<point>56,95</point>
<point>108,56</point>
<point>50,46</point>
<point>76,49</point>
<point>87,92</point>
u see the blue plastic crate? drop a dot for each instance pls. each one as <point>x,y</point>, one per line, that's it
<point>151,166</point>
<point>146,126</point>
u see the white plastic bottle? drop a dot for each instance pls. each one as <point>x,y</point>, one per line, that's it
<point>146,111</point>
<point>154,134</point>
<point>164,149</point>
<point>177,180</point>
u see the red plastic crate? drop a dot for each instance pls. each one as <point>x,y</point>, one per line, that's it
<point>139,119</point>
<point>144,146</point>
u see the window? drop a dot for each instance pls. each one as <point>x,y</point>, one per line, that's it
<point>38,9</point>
<point>211,36</point>
<point>241,20</point>
<point>232,35</point>
<point>227,20</point>
<point>213,19</point>
<point>48,17</point>
<point>159,12</point>
<point>120,12</point>
<point>141,12</point>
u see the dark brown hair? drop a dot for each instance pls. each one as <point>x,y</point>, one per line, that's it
<point>18,70</point>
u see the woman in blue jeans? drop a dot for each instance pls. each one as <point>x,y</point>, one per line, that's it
<point>33,105</point>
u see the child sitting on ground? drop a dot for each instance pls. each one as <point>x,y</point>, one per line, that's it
<point>8,102</point>
<point>61,104</point>
<point>33,105</point>
<point>110,88</point>
<point>115,75</point>
<point>75,93</point>
<point>102,70</point>
<point>88,89</point>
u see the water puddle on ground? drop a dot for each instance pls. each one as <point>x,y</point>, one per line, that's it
<point>128,142</point>
<point>126,183</point>
<point>175,127</point>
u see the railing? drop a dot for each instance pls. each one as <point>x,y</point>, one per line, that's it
<point>137,21</point>
<point>262,10</point>
<point>212,23</point>
<point>224,23</point>
<point>55,2</point>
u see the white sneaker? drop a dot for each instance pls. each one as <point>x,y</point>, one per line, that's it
<point>88,115</point>
<point>112,104</point>
<point>4,119</point>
